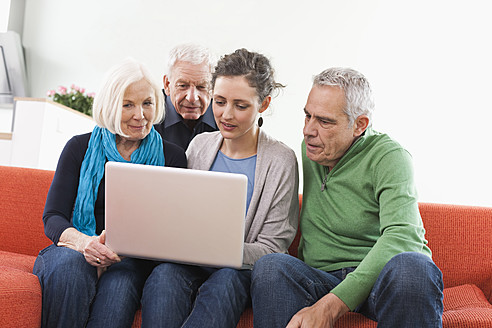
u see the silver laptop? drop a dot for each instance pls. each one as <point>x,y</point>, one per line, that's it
<point>178,215</point>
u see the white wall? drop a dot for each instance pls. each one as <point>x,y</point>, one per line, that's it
<point>4,15</point>
<point>429,63</point>
<point>12,15</point>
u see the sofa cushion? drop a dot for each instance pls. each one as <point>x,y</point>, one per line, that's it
<point>13,265</point>
<point>466,306</point>
<point>17,261</point>
<point>20,298</point>
<point>246,319</point>
<point>137,321</point>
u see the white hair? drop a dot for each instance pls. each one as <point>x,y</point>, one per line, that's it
<point>358,94</point>
<point>191,53</point>
<point>108,101</point>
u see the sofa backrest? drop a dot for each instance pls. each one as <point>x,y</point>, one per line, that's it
<point>460,238</point>
<point>21,207</point>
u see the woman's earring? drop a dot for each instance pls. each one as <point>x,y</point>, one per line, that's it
<point>260,121</point>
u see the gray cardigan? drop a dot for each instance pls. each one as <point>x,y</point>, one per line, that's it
<point>272,217</point>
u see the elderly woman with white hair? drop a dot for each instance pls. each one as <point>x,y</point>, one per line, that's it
<point>84,283</point>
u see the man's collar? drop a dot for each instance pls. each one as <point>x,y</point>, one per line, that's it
<point>172,116</point>
<point>208,118</point>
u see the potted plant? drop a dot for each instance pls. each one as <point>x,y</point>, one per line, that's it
<point>76,98</point>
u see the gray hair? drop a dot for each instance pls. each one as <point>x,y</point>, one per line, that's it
<point>108,102</point>
<point>191,53</point>
<point>358,94</point>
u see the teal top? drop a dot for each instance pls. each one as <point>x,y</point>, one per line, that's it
<point>366,213</point>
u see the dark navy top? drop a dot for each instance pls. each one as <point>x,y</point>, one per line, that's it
<point>63,191</point>
<point>175,130</point>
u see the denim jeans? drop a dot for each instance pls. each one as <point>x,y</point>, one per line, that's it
<point>407,293</point>
<point>73,296</point>
<point>178,295</point>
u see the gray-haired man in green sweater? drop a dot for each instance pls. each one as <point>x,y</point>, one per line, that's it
<point>362,247</point>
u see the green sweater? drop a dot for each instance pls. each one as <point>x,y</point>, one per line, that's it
<point>367,213</point>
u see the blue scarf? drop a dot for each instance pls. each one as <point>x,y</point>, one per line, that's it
<point>102,146</point>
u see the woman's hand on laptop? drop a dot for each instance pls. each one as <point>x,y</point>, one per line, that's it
<point>93,248</point>
<point>97,251</point>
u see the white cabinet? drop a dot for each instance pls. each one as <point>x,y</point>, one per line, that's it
<point>41,129</point>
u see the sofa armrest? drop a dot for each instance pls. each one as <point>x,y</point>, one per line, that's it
<point>23,197</point>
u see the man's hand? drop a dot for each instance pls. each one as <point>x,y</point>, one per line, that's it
<point>322,314</point>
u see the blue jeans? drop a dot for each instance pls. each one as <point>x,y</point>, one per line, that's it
<point>73,296</point>
<point>407,293</point>
<point>178,295</point>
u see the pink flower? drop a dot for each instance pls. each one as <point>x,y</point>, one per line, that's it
<point>50,93</point>
<point>62,90</point>
<point>82,90</point>
<point>74,87</point>
<point>91,94</point>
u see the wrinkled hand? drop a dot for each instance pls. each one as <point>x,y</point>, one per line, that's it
<point>98,254</point>
<point>322,314</point>
<point>93,248</point>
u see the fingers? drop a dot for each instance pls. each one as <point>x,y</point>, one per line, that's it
<point>68,245</point>
<point>296,321</point>
<point>311,317</point>
<point>100,271</point>
<point>293,323</point>
<point>98,254</point>
<point>102,237</point>
<point>106,251</point>
<point>94,259</point>
<point>102,259</point>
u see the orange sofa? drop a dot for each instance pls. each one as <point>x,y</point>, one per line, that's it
<point>459,236</point>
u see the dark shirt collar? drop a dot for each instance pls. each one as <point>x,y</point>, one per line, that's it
<point>172,117</point>
<point>208,118</point>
